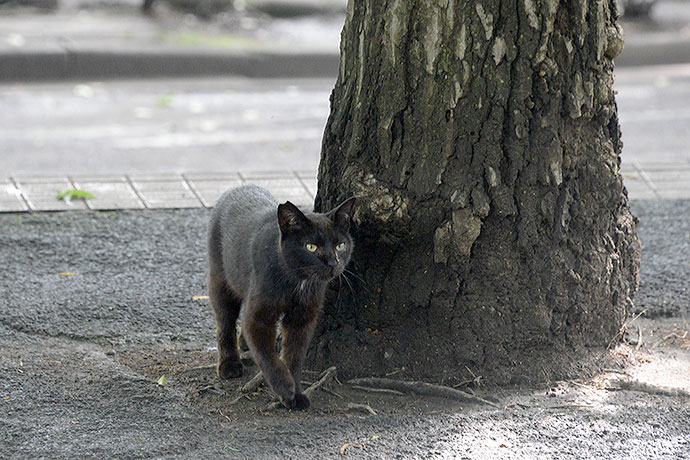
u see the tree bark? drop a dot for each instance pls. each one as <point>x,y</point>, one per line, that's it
<point>493,232</point>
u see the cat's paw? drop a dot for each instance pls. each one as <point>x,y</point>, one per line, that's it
<point>288,403</point>
<point>298,402</point>
<point>301,401</point>
<point>228,369</point>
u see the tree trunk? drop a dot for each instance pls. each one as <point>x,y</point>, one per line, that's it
<point>493,232</point>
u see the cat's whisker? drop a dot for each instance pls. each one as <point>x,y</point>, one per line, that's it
<point>363,284</point>
<point>339,299</point>
<point>359,278</point>
<point>349,284</point>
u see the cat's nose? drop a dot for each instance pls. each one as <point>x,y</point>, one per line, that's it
<point>332,262</point>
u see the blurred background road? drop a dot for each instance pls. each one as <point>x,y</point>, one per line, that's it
<point>102,93</point>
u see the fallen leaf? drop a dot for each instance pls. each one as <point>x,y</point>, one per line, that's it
<point>354,444</point>
<point>65,274</point>
<point>162,381</point>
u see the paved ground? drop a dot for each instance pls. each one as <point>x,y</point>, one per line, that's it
<point>97,306</point>
<point>179,143</point>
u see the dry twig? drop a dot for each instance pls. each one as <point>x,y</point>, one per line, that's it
<point>200,368</point>
<point>569,406</point>
<point>351,444</point>
<point>243,395</point>
<point>421,388</point>
<point>210,389</point>
<point>378,390</point>
<point>615,371</point>
<point>329,391</point>
<point>362,407</point>
<point>221,413</point>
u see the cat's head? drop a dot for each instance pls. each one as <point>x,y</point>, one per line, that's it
<point>315,246</point>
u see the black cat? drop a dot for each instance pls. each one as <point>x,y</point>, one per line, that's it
<point>270,264</point>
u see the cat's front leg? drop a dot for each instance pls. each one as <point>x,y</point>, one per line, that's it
<point>297,334</point>
<point>226,306</point>
<point>259,331</point>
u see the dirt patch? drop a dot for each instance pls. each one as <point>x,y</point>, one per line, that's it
<point>661,360</point>
<point>192,372</point>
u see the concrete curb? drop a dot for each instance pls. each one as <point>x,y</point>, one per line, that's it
<point>674,51</point>
<point>112,64</point>
<point>57,64</point>
<point>296,8</point>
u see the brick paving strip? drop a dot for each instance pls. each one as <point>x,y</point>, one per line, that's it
<point>646,181</point>
<point>34,193</point>
<point>148,191</point>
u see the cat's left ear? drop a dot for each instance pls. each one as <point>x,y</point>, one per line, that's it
<point>342,215</point>
<point>290,217</point>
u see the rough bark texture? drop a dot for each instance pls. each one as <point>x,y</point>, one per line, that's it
<point>493,231</point>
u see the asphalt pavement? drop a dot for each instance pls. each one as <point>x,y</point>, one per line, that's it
<point>90,300</point>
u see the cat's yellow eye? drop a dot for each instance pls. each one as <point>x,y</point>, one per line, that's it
<point>311,247</point>
<point>340,247</point>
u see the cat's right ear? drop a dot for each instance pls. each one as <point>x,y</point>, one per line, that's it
<point>290,217</point>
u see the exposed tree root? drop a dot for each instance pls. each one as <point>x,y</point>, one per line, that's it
<point>252,385</point>
<point>327,376</point>
<point>421,388</point>
<point>378,390</point>
<point>636,385</point>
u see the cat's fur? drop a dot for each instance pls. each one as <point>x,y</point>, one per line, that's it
<point>262,272</point>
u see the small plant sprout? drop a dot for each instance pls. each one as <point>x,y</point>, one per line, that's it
<point>68,195</point>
